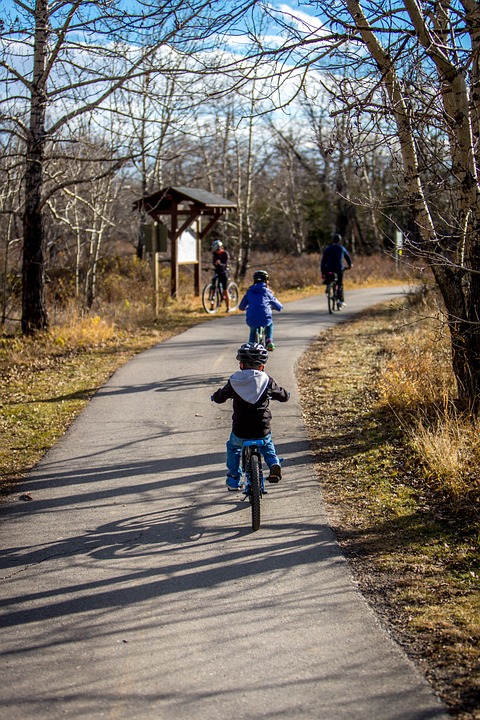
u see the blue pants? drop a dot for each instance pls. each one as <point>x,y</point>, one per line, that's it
<point>268,333</point>
<point>234,454</point>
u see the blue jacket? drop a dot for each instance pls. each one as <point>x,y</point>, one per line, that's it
<point>332,258</point>
<point>258,301</point>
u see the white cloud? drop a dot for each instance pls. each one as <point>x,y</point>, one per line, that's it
<point>304,23</point>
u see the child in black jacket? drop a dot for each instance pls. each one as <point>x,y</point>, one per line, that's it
<point>251,390</point>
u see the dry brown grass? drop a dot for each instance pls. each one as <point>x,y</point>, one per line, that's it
<point>418,371</point>
<point>418,386</point>
<point>403,503</point>
<point>449,451</point>
<point>46,380</point>
<point>290,272</point>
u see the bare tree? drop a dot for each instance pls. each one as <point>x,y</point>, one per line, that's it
<point>10,224</point>
<point>60,61</point>
<point>407,75</point>
<point>224,150</point>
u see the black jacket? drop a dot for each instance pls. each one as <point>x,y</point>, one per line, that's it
<point>251,391</point>
<point>333,257</point>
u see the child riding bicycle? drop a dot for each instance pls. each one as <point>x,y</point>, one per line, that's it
<point>251,390</point>
<point>258,301</point>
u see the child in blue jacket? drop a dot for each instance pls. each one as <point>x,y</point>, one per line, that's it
<point>258,301</point>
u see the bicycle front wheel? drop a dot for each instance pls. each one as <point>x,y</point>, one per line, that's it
<point>211,298</point>
<point>232,290</point>
<point>255,490</point>
<point>331,298</point>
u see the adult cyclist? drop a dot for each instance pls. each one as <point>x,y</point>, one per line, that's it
<point>220,266</point>
<point>333,259</point>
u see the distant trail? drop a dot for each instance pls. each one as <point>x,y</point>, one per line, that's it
<point>134,589</point>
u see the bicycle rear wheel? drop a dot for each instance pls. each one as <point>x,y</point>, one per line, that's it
<point>232,290</point>
<point>255,490</point>
<point>211,298</point>
<point>331,297</point>
<point>260,336</point>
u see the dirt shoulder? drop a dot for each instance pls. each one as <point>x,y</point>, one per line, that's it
<point>413,562</point>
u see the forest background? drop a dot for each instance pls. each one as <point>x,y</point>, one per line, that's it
<point>345,117</point>
<point>342,110</point>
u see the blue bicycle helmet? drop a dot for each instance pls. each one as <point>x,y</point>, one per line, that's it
<point>252,354</point>
<point>216,245</point>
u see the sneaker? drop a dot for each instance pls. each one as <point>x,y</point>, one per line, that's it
<point>270,345</point>
<point>232,483</point>
<point>275,474</point>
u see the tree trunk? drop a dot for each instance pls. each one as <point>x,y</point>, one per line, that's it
<point>34,314</point>
<point>461,294</point>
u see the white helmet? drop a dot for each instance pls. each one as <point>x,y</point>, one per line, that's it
<point>216,245</point>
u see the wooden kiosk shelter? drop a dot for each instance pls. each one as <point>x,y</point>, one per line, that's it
<point>183,207</point>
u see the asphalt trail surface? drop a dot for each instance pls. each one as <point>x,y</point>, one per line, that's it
<point>133,588</point>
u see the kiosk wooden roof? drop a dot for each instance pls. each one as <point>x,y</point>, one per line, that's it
<point>184,205</point>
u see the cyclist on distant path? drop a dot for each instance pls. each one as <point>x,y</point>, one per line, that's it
<point>332,261</point>
<point>251,390</point>
<point>220,266</point>
<point>258,301</point>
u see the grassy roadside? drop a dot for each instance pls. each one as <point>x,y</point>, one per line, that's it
<point>416,558</point>
<point>47,382</point>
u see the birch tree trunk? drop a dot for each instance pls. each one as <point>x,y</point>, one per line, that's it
<point>458,273</point>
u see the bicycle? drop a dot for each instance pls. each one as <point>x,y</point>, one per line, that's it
<point>333,300</point>
<point>253,481</point>
<point>332,291</point>
<point>333,294</point>
<point>213,295</point>
<point>260,336</point>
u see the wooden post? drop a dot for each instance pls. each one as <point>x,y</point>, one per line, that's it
<point>199,260</point>
<point>174,255</point>
<point>156,260</point>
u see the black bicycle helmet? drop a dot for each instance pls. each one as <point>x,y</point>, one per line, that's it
<point>252,354</point>
<point>336,238</point>
<point>260,276</point>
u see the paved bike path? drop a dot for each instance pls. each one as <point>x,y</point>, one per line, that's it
<point>132,586</point>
